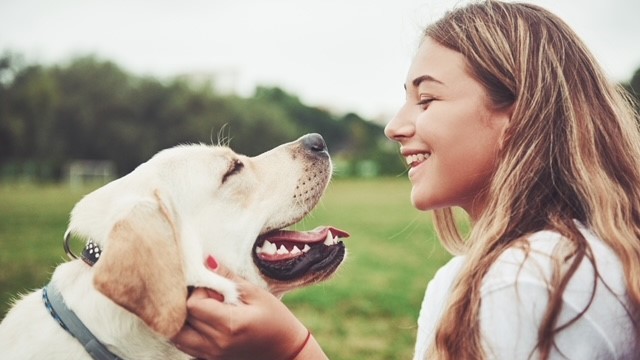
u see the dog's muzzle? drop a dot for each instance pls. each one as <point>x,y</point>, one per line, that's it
<point>296,256</point>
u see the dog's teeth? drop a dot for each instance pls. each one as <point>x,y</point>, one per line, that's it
<point>335,239</point>
<point>329,239</point>
<point>306,248</point>
<point>268,248</point>
<point>282,251</point>
<point>295,251</point>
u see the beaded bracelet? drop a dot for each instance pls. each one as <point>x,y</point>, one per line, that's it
<point>304,344</point>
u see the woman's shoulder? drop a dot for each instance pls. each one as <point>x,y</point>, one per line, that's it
<point>516,291</point>
<point>434,303</point>
<point>450,270</point>
<point>440,285</point>
<point>534,260</point>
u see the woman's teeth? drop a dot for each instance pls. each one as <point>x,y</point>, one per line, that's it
<point>416,158</point>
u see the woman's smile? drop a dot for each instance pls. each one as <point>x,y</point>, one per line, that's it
<point>415,160</point>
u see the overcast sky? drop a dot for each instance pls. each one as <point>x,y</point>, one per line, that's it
<point>345,55</point>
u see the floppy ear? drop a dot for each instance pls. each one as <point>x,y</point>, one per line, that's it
<point>141,268</point>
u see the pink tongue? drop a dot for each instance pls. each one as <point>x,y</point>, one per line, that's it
<point>315,235</point>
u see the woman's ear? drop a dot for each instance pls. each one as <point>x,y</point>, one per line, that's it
<point>141,268</point>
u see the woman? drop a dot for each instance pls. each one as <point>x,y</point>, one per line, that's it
<point>508,117</point>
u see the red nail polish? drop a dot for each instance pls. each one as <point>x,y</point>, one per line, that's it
<point>212,263</point>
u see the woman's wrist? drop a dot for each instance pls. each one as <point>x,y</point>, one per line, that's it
<point>301,347</point>
<point>311,350</point>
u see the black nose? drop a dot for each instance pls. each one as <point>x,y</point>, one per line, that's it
<point>314,142</point>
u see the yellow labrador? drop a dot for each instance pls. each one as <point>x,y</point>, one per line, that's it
<point>148,236</point>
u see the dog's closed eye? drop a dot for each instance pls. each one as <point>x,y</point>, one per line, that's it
<point>235,166</point>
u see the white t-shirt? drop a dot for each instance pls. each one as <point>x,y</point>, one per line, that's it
<point>514,297</point>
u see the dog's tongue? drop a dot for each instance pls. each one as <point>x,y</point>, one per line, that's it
<point>316,235</point>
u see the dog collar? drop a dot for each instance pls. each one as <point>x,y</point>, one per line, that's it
<point>73,325</point>
<point>90,254</point>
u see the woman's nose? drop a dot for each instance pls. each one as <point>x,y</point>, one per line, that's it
<point>400,127</point>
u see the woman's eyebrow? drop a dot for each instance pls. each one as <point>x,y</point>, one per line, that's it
<point>420,79</point>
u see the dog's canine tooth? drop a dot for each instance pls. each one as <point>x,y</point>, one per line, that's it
<point>267,248</point>
<point>329,239</point>
<point>306,248</point>
<point>295,250</point>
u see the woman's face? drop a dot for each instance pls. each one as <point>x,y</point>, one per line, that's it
<point>447,132</point>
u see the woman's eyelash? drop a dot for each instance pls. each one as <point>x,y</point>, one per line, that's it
<point>235,167</point>
<point>425,102</point>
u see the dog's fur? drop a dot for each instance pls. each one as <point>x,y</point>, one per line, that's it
<point>156,226</point>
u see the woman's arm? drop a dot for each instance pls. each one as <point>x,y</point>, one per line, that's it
<point>260,327</point>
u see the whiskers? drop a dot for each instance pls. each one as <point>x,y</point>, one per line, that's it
<point>223,136</point>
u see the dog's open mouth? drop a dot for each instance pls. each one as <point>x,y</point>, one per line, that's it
<point>289,255</point>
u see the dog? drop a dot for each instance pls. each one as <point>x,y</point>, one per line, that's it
<point>148,235</point>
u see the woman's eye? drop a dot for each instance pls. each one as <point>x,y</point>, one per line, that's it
<point>235,167</point>
<point>424,102</point>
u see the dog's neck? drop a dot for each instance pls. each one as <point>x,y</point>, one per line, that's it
<point>70,322</point>
<point>74,282</point>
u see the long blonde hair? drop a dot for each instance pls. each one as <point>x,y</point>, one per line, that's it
<point>571,151</point>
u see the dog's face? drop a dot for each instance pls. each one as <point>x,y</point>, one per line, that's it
<point>160,222</point>
<point>238,206</point>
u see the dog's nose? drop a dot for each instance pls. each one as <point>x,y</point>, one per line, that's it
<point>314,143</point>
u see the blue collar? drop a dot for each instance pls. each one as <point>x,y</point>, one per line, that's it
<point>69,321</point>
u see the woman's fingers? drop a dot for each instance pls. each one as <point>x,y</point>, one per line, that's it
<point>216,316</point>
<point>217,330</point>
<point>188,338</point>
<point>205,293</point>
<point>220,269</point>
<point>245,288</point>
<point>193,342</point>
<point>207,330</point>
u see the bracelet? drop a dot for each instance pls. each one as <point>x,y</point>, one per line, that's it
<point>304,344</point>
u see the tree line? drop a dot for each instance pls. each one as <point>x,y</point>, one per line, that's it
<point>92,109</point>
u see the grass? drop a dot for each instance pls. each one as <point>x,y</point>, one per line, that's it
<point>368,311</point>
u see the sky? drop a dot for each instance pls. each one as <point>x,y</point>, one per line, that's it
<point>342,55</point>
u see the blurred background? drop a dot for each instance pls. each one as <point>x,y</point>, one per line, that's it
<point>90,89</point>
<point>117,81</point>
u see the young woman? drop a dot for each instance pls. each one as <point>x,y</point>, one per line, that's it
<point>508,117</point>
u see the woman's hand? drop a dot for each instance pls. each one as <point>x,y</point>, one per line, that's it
<point>260,327</point>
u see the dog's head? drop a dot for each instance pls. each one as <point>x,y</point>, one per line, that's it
<point>192,201</point>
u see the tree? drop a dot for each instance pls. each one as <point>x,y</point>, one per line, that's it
<point>89,108</point>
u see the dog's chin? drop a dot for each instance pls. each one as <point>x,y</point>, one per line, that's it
<point>290,259</point>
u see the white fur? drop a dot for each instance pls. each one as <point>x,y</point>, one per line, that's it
<point>209,218</point>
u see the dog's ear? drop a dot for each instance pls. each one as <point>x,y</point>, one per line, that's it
<point>141,268</point>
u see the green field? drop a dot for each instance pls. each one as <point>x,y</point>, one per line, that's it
<point>368,311</point>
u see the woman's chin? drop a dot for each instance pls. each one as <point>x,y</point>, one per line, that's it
<point>418,201</point>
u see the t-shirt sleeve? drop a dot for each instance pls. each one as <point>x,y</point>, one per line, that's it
<point>509,318</point>
<point>514,300</point>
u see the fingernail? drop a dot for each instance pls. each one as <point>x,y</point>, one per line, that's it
<point>212,263</point>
